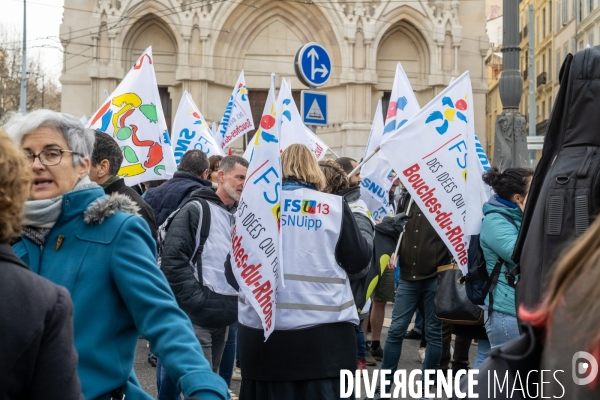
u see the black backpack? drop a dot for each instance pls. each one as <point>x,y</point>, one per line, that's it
<point>478,283</point>
<point>201,234</point>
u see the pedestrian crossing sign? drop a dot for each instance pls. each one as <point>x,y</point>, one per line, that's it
<point>314,107</point>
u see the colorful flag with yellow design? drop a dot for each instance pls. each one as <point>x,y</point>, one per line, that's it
<point>133,116</point>
<point>429,153</point>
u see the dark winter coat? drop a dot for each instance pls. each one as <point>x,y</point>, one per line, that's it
<point>564,197</point>
<point>145,211</point>
<point>204,307</point>
<point>171,195</point>
<point>422,250</point>
<point>38,359</point>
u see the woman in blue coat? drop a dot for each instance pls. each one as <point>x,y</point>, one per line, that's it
<point>499,232</point>
<point>103,253</point>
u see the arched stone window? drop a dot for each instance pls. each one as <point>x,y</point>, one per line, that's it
<point>403,43</point>
<point>152,31</point>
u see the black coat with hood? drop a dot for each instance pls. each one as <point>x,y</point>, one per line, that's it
<point>204,307</point>
<point>564,196</point>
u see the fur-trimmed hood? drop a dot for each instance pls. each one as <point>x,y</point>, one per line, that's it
<point>106,206</point>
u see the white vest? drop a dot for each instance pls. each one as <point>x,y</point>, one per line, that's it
<point>317,290</point>
<point>216,249</point>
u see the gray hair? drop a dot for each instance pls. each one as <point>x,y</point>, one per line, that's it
<point>227,164</point>
<point>80,139</point>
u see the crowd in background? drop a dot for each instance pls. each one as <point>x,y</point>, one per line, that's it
<point>87,264</point>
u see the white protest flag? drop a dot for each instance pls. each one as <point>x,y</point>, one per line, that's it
<point>190,130</point>
<point>318,147</point>
<point>429,152</point>
<point>377,174</point>
<point>477,192</point>
<point>237,119</point>
<point>133,116</point>
<point>255,246</point>
<point>293,129</point>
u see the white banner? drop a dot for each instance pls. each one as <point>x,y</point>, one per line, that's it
<point>377,174</point>
<point>133,116</point>
<point>293,129</point>
<point>255,246</point>
<point>429,152</point>
<point>190,130</point>
<point>237,119</point>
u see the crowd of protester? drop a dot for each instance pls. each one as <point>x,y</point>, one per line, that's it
<point>87,265</point>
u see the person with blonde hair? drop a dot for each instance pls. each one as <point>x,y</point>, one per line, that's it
<point>314,336</point>
<point>102,251</point>
<point>35,314</point>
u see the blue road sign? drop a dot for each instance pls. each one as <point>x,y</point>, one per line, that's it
<point>314,108</point>
<point>314,64</point>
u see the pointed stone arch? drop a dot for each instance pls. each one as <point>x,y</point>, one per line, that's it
<point>278,28</point>
<point>151,30</point>
<point>403,42</point>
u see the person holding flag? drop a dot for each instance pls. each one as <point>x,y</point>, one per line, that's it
<point>315,307</point>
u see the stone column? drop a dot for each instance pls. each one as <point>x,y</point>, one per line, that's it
<point>511,140</point>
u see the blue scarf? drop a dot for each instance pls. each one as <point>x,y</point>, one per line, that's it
<point>506,203</point>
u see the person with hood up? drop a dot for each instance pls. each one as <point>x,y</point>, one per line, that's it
<point>503,214</point>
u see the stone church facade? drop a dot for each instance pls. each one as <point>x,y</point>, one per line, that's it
<point>201,46</point>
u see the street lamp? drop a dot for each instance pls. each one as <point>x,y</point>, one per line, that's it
<point>510,149</point>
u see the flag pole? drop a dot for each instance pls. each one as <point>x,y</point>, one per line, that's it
<point>332,152</point>
<point>367,158</point>
<point>410,203</point>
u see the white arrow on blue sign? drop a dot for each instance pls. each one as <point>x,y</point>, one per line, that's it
<point>314,64</point>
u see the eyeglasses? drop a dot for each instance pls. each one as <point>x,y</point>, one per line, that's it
<point>49,157</point>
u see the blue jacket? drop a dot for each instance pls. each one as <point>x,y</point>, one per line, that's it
<point>171,195</point>
<point>498,237</point>
<point>106,259</point>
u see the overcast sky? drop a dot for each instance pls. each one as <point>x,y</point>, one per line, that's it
<point>43,20</point>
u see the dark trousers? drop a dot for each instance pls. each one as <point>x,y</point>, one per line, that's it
<point>229,353</point>
<point>460,360</point>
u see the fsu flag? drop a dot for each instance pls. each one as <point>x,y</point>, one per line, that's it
<point>377,173</point>
<point>293,129</point>
<point>255,253</point>
<point>429,153</point>
<point>190,130</point>
<point>237,119</point>
<point>134,117</point>
<point>318,147</point>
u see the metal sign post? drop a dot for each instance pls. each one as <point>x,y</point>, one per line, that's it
<point>312,65</point>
